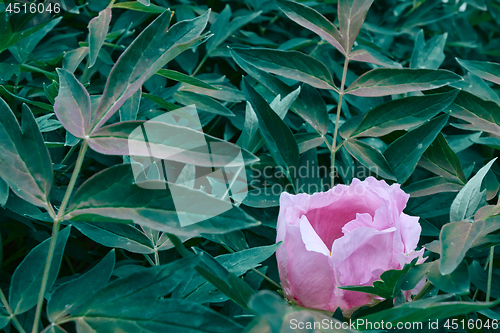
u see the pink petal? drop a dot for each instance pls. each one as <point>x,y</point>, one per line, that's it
<point>310,273</point>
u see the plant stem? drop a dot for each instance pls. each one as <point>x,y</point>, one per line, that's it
<point>200,65</point>
<point>427,286</point>
<point>16,322</point>
<point>339,110</point>
<point>55,232</point>
<point>157,257</point>
<point>48,263</point>
<point>490,273</point>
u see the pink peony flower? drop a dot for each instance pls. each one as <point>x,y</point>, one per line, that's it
<point>348,235</point>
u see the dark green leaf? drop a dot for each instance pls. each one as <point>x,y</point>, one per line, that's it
<point>456,238</point>
<point>457,282</point>
<point>486,70</point>
<point>27,278</point>
<point>24,160</point>
<point>404,153</point>
<point>316,109</point>
<point>69,296</point>
<point>397,114</point>
<point>425,309</point>
<point>113,196</point>
<point>312,20</point>
<point>279,138</point>
<point>222,28</point>
<point>180,77</point>
<point>369,157</point>
<point>431,186</point>
<point>479,277</point>
<point>389,287</point>
<point>137,6</point>
<point>440,159</point>
<point>202,102</point>
<point>290,64</point>
<point>482,115</point>
<point>391,81</point>
<point>98,28</point>
<point>147,54</point>
<point>123,236</point>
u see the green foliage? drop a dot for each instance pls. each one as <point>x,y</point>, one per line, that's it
<point>405,91</point>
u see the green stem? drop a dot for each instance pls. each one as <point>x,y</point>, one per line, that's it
<point>490,273</point>
<point>339,110</point>
<point>157,258</point>
<point>200,65</point>
<point>16,322</point>
<point>55,232</point>
<point>427,286</point>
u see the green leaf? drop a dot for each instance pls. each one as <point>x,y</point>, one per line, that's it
<point>250,137</point>
<point>9,37</point>
<point>72,105</point>
<point>482,115</point>
<point>489,71</point>
<point>113,196</point>
<point>24,160</point>
<point>389,286</point>
<point>130,108</point>
<point>98,28</point>
<point>442,160</point>
<point>431,186</point>
<point>369,157</point>
<point>278,136</point>
<point>290,64</point>
<point>4,318</point>
<point>457,282</point>
<point>70,295</point>
<point>137,6</point>
<point>202,102</point>
<point>366,54</point>
<point>147,54</point>
<point>123,236</point>
<point>456,238</point>
<point>316,110</point>
<point>479,277</point>
<point>352,14</point>
<point>73,58</point>
<point>470,196</point>
<point>180,77</point>
<point>222,28</point>
<point>391,81</point>
<point>133,303</point>
<point>41,105</point>
<point>27,278</point>
<point>397,114</point>
<point>237,263</point>
<point>23,49</point>
<point>167,141</point>
<point>311,19</point>
<point>4,192</point>
<point>278,87</point>
<point>425,309</point>
<point>430,54</point>
<point>404,153</point>
<point>228,283</point>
